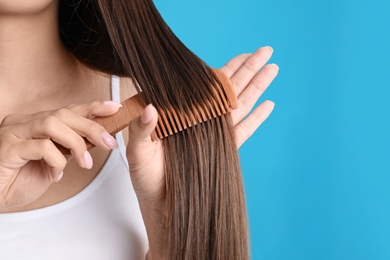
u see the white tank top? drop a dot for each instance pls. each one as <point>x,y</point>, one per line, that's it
<point>102,222</point>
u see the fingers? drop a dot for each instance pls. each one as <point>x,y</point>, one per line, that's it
<point>51,128</point>
<point>67,127</point>
<point>87,110</point>
<point>249,96</point>
<point>248,126</point>
<point>250,84</point>
<point>140,145</point>
<point>250,68</point>
<point>96,108</point>
<point>141,127</point>
<point>234,64</point>
<point>42,149</point>
<point>94,132</point>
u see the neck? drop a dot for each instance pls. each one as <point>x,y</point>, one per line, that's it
<point>33,61</point>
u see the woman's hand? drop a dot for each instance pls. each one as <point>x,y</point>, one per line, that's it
<point>250,85</point>
<point>146,157</point>
<point>29,159</point>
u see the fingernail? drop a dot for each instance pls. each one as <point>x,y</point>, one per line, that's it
<point>269,48</point>
<point>59,177</point>
<point>88,163</point>
<point>109,140</point>
<point>112,104</point>
<point>275,66</point>
<point>270,108</point>
<point>147,114</point>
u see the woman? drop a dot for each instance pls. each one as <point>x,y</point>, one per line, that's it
<point>82,206</point>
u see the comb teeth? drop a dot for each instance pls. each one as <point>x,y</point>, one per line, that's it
<point>171,121</point>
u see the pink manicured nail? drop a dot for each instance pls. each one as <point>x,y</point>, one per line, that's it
<point>112,104</point>
<point>109,140</point>
<point>147,114</point>
<point>88,162</point>
<point>274,66</point>
<point>59,177</point>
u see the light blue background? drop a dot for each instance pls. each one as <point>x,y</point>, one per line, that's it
<point>317,173</point>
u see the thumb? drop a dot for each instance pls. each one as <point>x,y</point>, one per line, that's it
<point>141,127</point>
<point>145,157</point>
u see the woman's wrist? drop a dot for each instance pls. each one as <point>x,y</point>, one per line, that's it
<point>155,221</point>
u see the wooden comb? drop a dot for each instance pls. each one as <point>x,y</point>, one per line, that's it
<point>169,122</point>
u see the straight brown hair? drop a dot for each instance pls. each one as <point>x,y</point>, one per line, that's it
<point>205,205</point>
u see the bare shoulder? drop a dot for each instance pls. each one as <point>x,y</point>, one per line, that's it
<point>127,88</point>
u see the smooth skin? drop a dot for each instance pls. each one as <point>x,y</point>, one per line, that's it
<point>39,80</point>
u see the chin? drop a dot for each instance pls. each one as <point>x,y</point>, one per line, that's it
<point>20,7</point>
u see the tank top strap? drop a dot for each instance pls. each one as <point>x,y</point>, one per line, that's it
<point>115,88</point>
<point>116,96</point>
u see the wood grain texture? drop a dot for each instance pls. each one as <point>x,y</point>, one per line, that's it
<point>170,121</point>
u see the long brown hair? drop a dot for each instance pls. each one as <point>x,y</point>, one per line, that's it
<point>204,192</point>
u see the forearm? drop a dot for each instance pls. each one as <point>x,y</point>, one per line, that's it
<point>155,223</point>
